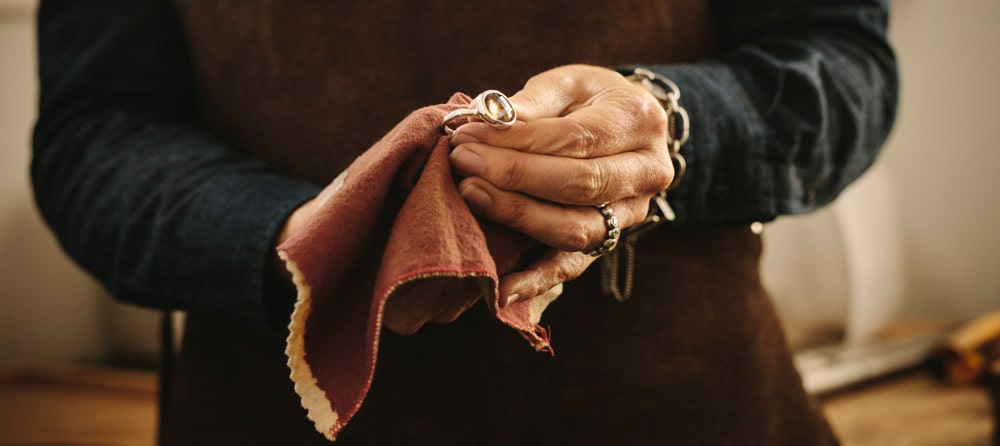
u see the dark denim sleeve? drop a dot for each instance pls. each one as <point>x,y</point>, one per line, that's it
<point>795,105</point>
<point>163,214</point>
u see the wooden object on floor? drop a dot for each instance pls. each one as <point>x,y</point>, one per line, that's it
<point>912,409</point>
<point>76,405</point>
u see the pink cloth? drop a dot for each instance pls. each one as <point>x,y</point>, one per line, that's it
<point>396,229</point>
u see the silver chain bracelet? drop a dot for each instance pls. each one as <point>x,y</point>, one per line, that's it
<point>678,130</point>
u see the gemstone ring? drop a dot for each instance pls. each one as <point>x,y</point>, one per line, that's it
<point>491,107</point>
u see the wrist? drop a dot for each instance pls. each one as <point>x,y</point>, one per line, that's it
<point>668,95</point>
<point>678,125</point>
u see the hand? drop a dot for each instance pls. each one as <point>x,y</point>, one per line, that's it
<point>585,136</point>
<point>438,300</point>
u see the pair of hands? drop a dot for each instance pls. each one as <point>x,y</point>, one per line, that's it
<point>584,136</point>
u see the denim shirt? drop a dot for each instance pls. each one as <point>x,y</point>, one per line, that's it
<point>794,105</point>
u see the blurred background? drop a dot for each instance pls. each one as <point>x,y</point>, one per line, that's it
<point>908,251</point>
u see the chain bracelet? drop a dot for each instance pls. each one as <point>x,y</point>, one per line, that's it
<point>678,131</point>
<point>678,124</point>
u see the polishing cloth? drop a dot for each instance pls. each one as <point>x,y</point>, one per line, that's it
<point>392,227</point>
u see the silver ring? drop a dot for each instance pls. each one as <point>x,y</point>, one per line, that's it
<point>490,106</point>
<point>611,236</point>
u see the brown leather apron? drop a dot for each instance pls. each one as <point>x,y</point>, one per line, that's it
<point>696,356</point>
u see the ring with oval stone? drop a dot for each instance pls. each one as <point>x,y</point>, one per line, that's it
<point>490,106</point>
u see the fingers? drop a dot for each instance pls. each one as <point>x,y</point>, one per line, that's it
<point>619,119</point>
<point>434,299</point>
<point>447,316</point>
<point>553,268</point>
<point>570,181</point>
<point>568,228</point>
<point>587,136</point>
<point>576,111</point>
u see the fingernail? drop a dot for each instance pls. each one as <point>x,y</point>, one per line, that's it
<point>510,299</point>
<point>476,197</point>
<point>460,137</point>
<point>467,161</point>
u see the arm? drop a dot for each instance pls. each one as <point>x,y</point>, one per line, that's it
<point>795,107</point>
<point>163,214</point>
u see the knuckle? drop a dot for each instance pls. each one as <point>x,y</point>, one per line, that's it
<point>577,236</point>
<point>633,212</point>
<point>654,175</point>
<point>650,110</point>
<point>569,267</point>
<point>588,185</point>
<point>547,281</point>
<point>665,180</point>
<point>633,182</point>
<point>663,173</point>
<point>644,104</point>
<point>564,273</point>
<point>568,81</point>
<point>649,115</point>
<point>516,214</point>
<point>569,271</point>
<point>580,141</point>
<point>512,172</point>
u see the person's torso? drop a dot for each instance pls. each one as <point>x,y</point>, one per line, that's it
<point>308,85</point>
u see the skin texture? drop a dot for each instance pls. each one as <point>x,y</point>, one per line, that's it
<point>585,136</point>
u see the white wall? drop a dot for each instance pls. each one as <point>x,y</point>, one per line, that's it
<point>944,155</point>
<point>916,238</point>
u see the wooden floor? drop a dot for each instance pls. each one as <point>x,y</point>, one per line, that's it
<point>71,405</point>
<point>913,409</point>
